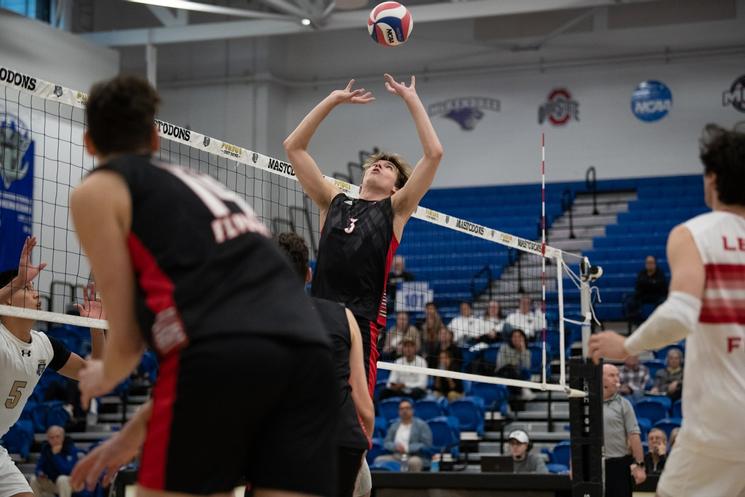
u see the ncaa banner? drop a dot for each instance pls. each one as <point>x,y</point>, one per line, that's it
<point>16,188</point>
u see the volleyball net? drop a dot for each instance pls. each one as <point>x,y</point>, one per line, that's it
<point>452,259</point>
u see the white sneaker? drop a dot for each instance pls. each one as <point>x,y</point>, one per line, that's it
<point>527,394</point>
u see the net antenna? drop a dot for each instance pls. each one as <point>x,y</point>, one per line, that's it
<point>55,115</point>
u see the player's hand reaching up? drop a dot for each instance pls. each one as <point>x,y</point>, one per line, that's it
<point>401,89</point>
<point>607,344</point>
<point>351,96</point>
<point>27,271</point>
<point>91,306</point>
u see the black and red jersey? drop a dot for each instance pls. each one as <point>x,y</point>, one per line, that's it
<point>355,254</point>
<point>205,265</point>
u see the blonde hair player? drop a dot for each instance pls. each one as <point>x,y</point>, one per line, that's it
<point>360,236</point>
<point>706,305</point>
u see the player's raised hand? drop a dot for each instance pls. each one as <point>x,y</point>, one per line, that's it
<point>27,271</point>
<point>607,344</point>
<point>400,89</point>
<point>352,96</point>
<point>91,306</point>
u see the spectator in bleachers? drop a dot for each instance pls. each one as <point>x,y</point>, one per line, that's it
<point>621,433</point>
<point>393,345</point>
<point>651,283</point>
<point>465,326</point>
<point>526,318</point>
<point>450,388</point>
<point>513,361</point>
<point>669,380</point>
<point>496,326</point>
<point>654,461</point>
<point>634,377</point>
<point>430,331</point>
<point>412,385</point>
<point>409,435</point>
<point>447,344</point>
<point>397,275</point>
<point>523,460</point>
<point>58,457</point>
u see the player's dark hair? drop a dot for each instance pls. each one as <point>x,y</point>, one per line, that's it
<point>120,114</point>
<point>723,153</point>
<point>296,249</point>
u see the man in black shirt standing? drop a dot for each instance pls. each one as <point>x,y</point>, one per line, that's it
<point>359,237</point>
<point>185,266</point>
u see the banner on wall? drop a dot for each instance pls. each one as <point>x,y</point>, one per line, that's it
<point>559,108</point>
<point>651,101</point>
<point>413,296</point>
<point>735,96</point>
<point>466,111</point>
<point>16,188</point>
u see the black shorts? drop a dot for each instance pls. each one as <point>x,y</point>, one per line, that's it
<point>238,409</point>
<point>369,330</point>
<point>349,462</point>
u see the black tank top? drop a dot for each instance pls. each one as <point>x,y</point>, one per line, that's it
<point>204,264</point>
<point>355,254</point>
<point>349,430</point>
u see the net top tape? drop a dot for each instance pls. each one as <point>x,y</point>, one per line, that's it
<point>57,93</point>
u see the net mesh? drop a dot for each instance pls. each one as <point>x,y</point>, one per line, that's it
<point>452,260</point>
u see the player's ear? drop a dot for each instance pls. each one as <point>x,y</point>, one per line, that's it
<point>90,147</point>
<point>309,275</point>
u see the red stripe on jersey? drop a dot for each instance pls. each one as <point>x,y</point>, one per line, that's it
<point>155,451</point>
<point>168,329</point>
<point>372,367</point>
<point>727,276</point>
<point>723,311</point>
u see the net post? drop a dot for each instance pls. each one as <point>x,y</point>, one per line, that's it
<point>562,339</point>
<point>585,304</point>
<point>586,428</point>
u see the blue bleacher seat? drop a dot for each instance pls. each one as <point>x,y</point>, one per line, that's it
<point>676,411</point>
<point>644,425</point>
<point>19,438</point>
<point>469,414</point>
<point>667,425</point>
<point>383,374</point>
<point>375,450</point>
<point>662,399</point>
<point>561,453</point>
<point>388,408</point>
<point>653,365</point>
<point>386,466</point>
<point>428,409</point>
<point>650,409</point>
<point>494,396</point>
<point>558,469</point>
<point>445,438</point>
<point>381,427</point>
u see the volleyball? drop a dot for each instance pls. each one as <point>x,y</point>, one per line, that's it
<point>390,24</point>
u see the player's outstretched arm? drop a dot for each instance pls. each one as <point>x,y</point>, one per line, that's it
<point>407,198</point>
<point>93,308</point>
<point>360,395</point>
<point>101,210</point>
<point>675,318</point>
<point>296,145</point>
<point>112,454</point>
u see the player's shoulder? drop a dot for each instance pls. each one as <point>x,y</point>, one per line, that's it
<point>40,339</point>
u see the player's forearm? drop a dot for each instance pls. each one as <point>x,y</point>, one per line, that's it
<point>98,340</point>
<point>300,138</point>
<point>431,146</point>
<point>669,323</point>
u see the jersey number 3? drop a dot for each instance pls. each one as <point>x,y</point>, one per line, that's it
<point>15,394</point>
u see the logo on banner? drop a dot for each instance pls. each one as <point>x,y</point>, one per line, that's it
<point>466,111</point>
<point>231,150</point>
<point>57,91</point>
<point>651,101</point>
<point>735,96</point>
<point>254,157</point>
<point>559,108</point>
<point>206,141</point>
<point>16,151</point>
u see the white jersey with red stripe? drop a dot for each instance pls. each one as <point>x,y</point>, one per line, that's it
<point>714,385</point>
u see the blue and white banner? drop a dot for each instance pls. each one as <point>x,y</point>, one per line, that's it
<point>16,188</point>
<point>413,296</point>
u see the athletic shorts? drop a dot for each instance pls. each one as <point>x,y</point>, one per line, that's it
<point>238,409</point>
<point>349,461</point>
<point>369,330</point>
<point>363,486</point>
<point>691,473</point>
<point>12,481</point>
